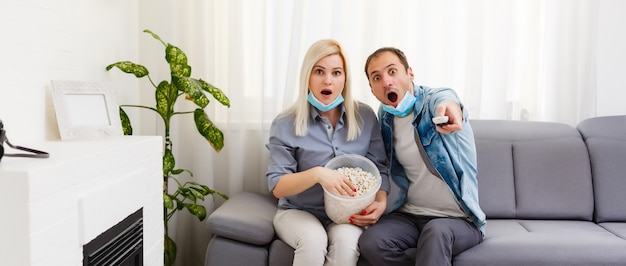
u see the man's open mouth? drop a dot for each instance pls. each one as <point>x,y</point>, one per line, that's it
<point>392,96</point>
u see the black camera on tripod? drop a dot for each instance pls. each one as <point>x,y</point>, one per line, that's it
<point>32,152</point>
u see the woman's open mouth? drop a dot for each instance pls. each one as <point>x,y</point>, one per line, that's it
<point>326,92</point>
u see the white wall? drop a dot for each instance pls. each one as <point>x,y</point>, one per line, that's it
<point>58,40</point>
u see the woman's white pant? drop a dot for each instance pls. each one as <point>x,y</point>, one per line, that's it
<point>337,244</point>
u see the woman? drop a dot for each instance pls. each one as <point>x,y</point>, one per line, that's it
<point>324,122</point>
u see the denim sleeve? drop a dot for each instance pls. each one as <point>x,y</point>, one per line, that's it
<point>439,95</point>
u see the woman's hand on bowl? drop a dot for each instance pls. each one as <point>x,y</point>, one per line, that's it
<point>373,212</point>
<point>335,182</point>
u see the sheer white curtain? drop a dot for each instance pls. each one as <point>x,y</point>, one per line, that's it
<point>507,59</point>
<point>521,60</point>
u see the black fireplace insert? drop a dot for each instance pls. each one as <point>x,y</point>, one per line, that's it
<point>121,245</point>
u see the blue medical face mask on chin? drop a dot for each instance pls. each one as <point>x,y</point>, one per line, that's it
<point>404,107</point>
<point>324,107</point>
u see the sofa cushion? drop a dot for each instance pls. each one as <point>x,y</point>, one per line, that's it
<point>547,242</point>
<point>257,226</point>
<point>496,182</point>
<point>280,254</point>
<point>617,228</point>
<point>224,251</point>
<point>532,170</point>
<point>606,141</point>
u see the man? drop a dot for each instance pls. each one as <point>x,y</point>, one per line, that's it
<point>437,212</point>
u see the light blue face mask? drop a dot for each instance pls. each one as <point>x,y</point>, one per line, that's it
<point>324,107</point>
<point>404,107</point>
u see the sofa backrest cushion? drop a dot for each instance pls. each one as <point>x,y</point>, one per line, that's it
<point>606,141</point>
<point>532,170</point>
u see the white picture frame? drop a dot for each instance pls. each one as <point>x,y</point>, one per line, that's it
<point>86,110</point>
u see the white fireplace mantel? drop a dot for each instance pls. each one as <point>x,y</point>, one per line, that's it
<point>53,206</point>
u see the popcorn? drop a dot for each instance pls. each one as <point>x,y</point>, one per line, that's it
<point>363,181</point>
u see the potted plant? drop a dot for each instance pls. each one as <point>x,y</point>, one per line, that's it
<point>180,86</point>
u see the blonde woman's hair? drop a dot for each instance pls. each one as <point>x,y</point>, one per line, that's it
<point>301,108</point>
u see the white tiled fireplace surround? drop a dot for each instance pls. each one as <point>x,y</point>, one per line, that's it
<point>52,207</point>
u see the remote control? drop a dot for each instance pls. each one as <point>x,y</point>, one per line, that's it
<point>440,120</point>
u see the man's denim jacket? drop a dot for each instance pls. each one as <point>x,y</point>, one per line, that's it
<point>451,157</point>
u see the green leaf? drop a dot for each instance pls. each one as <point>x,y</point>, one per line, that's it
<point>197,193</point>
<point>192,88</point>
<point>191,195</point>
<point>205,190</point>
<point>168,162</point>
<point>216,92</point>
<point>180,205</point>
<point>170,251</point>
<point>165,96</point>
<point>205,187</point>
<point>167,201</point>
<point>126,126</point>
<point>155,36</point>
<point>197,210</point>
<point>186,192</point>
<point>178,61</point>
<point>180,171</point>
<point>177,171</point>
<point>130,67</point>
<point>208,130</point>
<point>224,196</point>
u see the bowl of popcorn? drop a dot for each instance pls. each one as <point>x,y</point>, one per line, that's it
<point>364,174</point>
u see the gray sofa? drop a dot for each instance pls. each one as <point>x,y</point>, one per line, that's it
<point>553,195</point>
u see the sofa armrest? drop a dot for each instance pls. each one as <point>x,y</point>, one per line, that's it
<point>245,217</point>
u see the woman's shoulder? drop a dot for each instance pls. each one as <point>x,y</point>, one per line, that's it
<point>283,117</point>
<point>363,106</point>
<point>283,125</point>
<point>365,109</point>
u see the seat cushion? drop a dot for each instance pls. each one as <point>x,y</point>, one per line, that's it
<point>545,242</point>
<point>224,251</point>
<point>280,254</point>
<point>618,229</point>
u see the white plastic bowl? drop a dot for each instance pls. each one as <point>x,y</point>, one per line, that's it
<point>340,208</point>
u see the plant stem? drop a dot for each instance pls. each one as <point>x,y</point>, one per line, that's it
<point>140,106</point>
